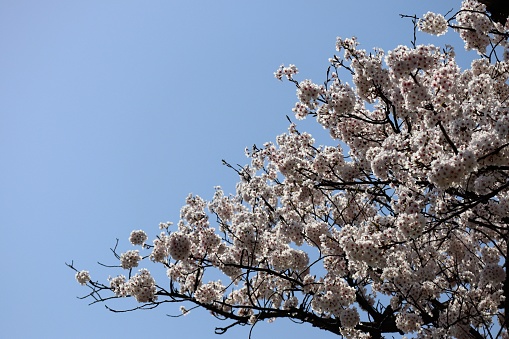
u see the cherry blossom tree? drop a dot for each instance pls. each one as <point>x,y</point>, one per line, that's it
<point>398,227</point>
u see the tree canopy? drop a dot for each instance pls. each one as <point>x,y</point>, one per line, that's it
<point>399,225</point>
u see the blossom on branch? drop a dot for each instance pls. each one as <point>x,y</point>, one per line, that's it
<point>399,226</point>
<point>83,277</point>
<point>433,23</point>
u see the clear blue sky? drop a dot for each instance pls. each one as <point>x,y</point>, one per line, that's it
<point>111,112</point>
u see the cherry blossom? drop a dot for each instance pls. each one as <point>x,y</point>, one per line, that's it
<point>130,259</point>
<point>398,226</point>
<point>83,277</point>
<point>433,23</point>
<point>138,237</point>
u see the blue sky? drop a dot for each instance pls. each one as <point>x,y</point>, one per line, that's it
<point>111,112</point>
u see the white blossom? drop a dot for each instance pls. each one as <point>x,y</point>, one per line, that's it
<point>138,237</point>
<point>83,277</point>
<point>433,23</point>
<point>130,259</point>
<point>402,217</point>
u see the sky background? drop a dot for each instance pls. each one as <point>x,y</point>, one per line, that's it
<point>111,112</point>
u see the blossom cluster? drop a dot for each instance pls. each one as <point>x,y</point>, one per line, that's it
<point>212,291</point>
<point>138,237</point>
<point>141,286</point>
<point>349,317</point>
<point>83,277</point>
<point>433,23</point>
<point>130,259</point>
<point>288,71</point>
<point>179,246</point>
<point>118,285</point>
